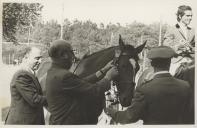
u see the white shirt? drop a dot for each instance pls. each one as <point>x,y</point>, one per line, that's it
<point>152,75</point>
<point>160,72</point>
<point>26,68</point>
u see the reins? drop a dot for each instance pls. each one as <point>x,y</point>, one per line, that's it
<point>183,54</point>
<point>113,92</point>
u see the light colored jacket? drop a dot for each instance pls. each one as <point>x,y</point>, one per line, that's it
<point>174,37</point>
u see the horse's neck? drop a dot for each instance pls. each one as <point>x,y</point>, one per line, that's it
<point>94,62</point>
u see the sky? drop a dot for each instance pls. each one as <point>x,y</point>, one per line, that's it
<point>116,11</point>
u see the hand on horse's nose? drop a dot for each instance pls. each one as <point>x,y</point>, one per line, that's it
<point>112,73</point>
<point>125,102</point>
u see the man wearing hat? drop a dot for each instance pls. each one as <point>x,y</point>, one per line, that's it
<point>162,100</point>
<point>66,93</point>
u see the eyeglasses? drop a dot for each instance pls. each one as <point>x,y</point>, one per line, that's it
<point>38,57</point>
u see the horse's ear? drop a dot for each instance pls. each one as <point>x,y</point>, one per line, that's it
<point>141,47</point>
<point>121,43</point>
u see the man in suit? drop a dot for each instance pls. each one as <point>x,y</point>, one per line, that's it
<point>27,100</point>
<point>162,100</point>
<point>66,93</point>
<point>187,73</point>
<point>181,37</point>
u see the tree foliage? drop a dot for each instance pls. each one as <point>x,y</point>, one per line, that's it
<point>46,33</point>
<point>88,37</point>
<point>17,16</point>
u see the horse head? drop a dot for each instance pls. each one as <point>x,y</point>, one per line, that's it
<point>126,59</point>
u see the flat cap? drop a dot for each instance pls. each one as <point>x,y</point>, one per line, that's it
<point>59,47</point>
<point>161,52</point>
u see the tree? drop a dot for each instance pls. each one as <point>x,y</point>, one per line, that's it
<point>17,16</point>
<point>46,33</point>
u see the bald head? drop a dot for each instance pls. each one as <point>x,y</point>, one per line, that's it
<point>61,53</point>
<point>32,58</point>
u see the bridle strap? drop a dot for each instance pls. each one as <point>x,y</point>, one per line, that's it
<point>128,82</point>
<point>116,100</point>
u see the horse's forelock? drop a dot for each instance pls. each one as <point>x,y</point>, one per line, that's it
<point>131,49</point>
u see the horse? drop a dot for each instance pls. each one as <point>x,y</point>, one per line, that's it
<point>125,57</point>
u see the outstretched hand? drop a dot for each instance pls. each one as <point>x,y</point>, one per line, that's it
<point>108,66</point>
<point>112,73</point>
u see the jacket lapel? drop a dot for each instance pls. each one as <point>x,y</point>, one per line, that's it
<point>190,34</point>
<point>181,31</point>
<point>35,80</point>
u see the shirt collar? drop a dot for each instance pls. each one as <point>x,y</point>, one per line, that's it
<point>26,68</point>
<point>160,72</point>
<point>183,26</point>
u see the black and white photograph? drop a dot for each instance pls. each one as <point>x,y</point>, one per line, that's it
<point>98,62</point>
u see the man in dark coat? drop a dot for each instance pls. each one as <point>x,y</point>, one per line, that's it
<point>66,93</point>
<point>162,100</point>
<point>27,100</point>
<point>187,73</point>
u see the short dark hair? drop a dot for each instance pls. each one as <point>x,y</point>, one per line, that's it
<point>162,63</point>
<point>59,48</point>
<point>181,11</point>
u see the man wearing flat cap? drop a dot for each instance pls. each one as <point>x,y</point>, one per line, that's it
<point>162,100</point>
<point>66,93</point>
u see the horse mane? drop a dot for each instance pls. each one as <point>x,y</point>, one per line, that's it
<point>91,56</point>
<point>100,51</point>
<point>86,61</point>
<point>113,47</point>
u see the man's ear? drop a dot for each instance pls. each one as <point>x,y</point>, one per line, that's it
<point>27,55</point>
<point>180,17</point>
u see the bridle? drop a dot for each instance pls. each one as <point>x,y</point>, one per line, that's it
<point>184,54</point>
<point>112,96</point>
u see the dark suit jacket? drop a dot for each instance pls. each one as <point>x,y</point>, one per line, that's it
<point>67,95</point>
<point>188,74</point>
<point>174,35</point>
<point>163,100</point>
<point>26,100</point>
